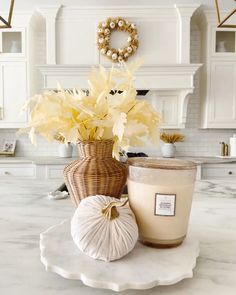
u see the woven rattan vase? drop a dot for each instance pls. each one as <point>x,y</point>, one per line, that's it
<point>96,172</point>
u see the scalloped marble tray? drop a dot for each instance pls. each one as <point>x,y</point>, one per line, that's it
<point>143,268</point>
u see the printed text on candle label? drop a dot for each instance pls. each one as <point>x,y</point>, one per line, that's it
<point>165,204</point>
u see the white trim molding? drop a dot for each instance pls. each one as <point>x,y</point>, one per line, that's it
<point>156,77</point>
<point>184,14</point>
<point>50,14</point>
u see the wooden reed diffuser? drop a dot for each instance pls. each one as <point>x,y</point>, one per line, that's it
<point>96,172</point>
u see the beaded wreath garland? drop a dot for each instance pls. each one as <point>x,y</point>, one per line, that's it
<point>105,30</point>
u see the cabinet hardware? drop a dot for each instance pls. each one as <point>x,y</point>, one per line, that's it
<point>7,173</point>
<point>230,173</point>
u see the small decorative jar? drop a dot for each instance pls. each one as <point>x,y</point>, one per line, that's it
<point>65,150</point>
<point>160,195</point>
<point>168,150</point>
<point>220,47</point>
<point>15,47</point>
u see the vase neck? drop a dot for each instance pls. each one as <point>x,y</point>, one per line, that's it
<point>95,149</point>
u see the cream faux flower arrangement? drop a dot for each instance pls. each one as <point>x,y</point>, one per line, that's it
<point>109,109</point>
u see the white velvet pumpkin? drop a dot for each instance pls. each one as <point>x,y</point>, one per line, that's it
<point>104,228</point>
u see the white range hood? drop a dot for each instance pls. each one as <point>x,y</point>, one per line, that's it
<point>164,35</point>
<point>152,77</point>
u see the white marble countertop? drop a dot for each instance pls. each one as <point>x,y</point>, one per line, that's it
<point>36,160</point>
<point>61,161</point>
<point>209,160</point>
<point>25,212</point>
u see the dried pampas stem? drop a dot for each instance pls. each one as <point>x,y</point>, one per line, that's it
<point>172,137</point>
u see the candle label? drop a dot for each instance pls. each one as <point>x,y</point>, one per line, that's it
<point>165,204</point>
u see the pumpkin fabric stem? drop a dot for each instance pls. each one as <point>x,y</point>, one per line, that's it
<point>110,211</point>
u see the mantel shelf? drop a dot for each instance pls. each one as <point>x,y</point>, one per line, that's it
<point>155,77</point>
<point>160,79</point>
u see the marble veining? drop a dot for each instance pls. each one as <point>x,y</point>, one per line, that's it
<point>26,211</point>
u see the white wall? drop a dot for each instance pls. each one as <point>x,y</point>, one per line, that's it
<point>29,4</point>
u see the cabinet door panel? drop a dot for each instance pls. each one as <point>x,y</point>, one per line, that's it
<point>222,106</point>
<point>13,89</point>
<point>14,170</point>
<point>211,171</point>
<point>55,171</point>
<point>167,106</point>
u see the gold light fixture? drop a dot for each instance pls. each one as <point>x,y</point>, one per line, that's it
<point>7,23</point>
<point>221,23</point>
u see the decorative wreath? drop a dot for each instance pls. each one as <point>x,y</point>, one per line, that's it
<point>105,30</point>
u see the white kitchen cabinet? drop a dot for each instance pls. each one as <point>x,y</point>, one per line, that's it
<point>218,86</point>
<point>12,43</point>
<point>13,77</point>
<point>223,42</point>
<point>222,96</point>
<point>13,94</point>
<point>32,170</point>
<point>18,170</point>
<point>54,171</point>
<point>17,72</point>
<point>218,171</point>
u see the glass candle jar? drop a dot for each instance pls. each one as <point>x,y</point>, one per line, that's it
<point>160,193</point>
